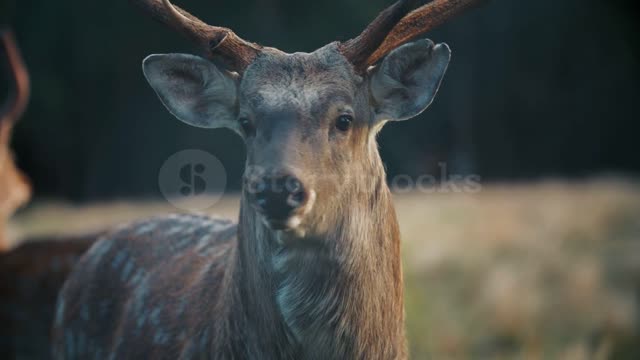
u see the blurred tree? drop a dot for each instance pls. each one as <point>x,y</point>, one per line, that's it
<point>534,89</point>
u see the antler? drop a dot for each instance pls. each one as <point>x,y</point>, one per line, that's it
<point>401,22</point>
<point>397,25</point>
<point>14,186</point>
<point>217,43</point>
<point>19,92</point>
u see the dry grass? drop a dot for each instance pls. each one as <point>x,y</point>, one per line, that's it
<point>545,271</point>
<point>525,272</point>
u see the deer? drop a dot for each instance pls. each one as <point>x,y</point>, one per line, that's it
<point>312,269</point>
<point>31,275</point>
<point>15,189</point>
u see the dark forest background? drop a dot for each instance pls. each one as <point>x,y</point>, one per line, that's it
<point>536,89</point>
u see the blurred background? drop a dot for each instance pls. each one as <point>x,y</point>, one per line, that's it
<point>536,89</point>
<point>540,103</point>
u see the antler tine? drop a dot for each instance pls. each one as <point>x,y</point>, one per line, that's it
<point>217,43</point>
<point>359,49</point>
<point>421,21</point>
<point>398,24</point>
<point>19,93</point>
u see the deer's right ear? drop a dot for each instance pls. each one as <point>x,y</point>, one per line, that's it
<point>193,89</point>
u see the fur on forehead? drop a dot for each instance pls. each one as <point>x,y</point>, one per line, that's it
<point>276,79</point>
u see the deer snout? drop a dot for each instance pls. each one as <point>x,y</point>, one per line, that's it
<point>282,199</point>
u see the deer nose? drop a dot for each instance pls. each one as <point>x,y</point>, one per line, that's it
<point>278,197</point>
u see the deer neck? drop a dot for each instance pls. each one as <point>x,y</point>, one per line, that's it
<point>333,296</point>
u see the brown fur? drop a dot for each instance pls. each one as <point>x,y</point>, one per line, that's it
<point>333,293</point>
<point>161,296</point>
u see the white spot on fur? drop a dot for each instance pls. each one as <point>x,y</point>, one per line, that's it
<point>60,311</point>
<point>99,250</point>
<point>145,229</point>
<point>203,243</point>
<point>294,222</point>
<point>174,230</point>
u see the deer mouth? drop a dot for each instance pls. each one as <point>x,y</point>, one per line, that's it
<point>291,223</point>
<point>287,219</point>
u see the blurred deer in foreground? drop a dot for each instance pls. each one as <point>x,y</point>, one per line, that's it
<point>31,275</point>
<point>15,189</point>
<point>312,270</point>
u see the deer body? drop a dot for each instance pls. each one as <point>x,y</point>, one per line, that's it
<point>233,295</point>
<point>312,270</point>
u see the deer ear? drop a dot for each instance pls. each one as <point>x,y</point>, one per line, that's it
<point>193,89</point>
<point>407,81</point>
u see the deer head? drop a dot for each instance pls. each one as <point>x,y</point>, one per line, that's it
<point>15,189</point>
<point>309,120</point>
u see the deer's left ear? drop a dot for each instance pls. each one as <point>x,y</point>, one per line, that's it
<point>407,81</point>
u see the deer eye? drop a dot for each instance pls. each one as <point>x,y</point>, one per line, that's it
<point>344,123</point>
<point>247,127</point>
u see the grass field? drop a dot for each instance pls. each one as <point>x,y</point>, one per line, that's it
<point>542,271</point>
